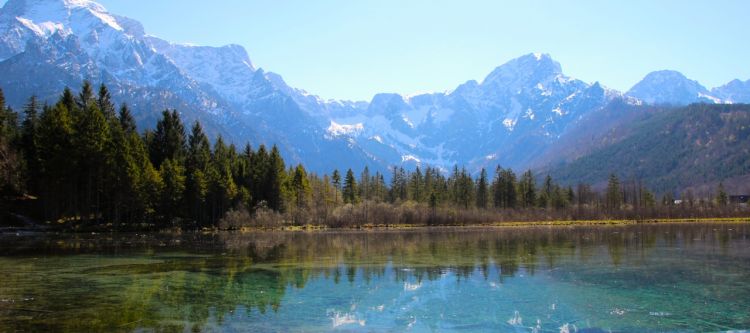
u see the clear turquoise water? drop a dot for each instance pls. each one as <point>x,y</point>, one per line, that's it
<point>638,278</point>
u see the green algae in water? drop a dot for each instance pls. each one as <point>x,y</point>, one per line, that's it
<point>635,278</point>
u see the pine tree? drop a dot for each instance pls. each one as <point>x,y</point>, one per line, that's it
<point>498,195</point>
<point>8,121</point>
<point>86,96</point>
<point>91,140</point>
<point>527,190</point>
<point>402,188</point>
<point>465,188</point>
<point>721,195</point>
<point>336,182</point>
<point>121,177</point>
<point>239,165</point>
<point>454,186</point>
<point>172,175</point>
<point>9,128</point>
<point>613,195</point>
<point>259,164</point>
<point>196,173</point>
<point>104,102</point>
<point>482,190</point>
<point>430,182</point>
<point>416,185</point>
<point>570,195</point>
<point>127,122</point>
<point>276,176</point>
<point>433,203</point>
<point>399,189</point>
<point>69,101</point>
<point>168,140</point>
<point>558,198</point>
<point>30,144</point>
<point>223,190</point>
<point>510,188</point>
<point>545,196</point>
<point>350,188</point>
<point>10,163</point>
<point>149,182</point>
<point>380,188</point>
<point>365,188</point>
<point>300,187</point>
<point>56,169</point>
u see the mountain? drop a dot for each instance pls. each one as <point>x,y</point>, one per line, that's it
<point>46,45</point>
<point>517,109</point>
<point>735,91</point>
<point>518,116</point>
<point>593,131</point>
<point>670,148</point>
<point>670,87</point>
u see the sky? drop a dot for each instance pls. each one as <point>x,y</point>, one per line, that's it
<point>354,49</point>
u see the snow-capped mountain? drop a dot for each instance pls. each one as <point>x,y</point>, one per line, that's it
<point>508,118</point>
<point>515,110</point>
<point>735,91</point>
<point>46,45</point>
<point>671,87</point>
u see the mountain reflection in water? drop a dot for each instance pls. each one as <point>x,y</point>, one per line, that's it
<point>672,277</point>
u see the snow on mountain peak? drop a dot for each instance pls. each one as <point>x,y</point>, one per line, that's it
<point>97,30</point>
<point>522,71</point>
<point>24,5</point>
<point>665,76</point>
<point>670,87</point>
<point>75,14</point>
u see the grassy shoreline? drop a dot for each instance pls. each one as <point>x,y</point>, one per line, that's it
<point>312,228</point>
<point>57,228</point>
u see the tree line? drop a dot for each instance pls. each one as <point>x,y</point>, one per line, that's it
<point>82,161</point>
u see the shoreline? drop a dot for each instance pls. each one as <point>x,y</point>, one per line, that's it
<point>392,227</point>
<point>508,224</point>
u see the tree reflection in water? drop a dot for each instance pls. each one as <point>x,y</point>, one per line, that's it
<point>174,282</point>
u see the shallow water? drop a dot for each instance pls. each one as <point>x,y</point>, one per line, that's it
<point>637,278</point>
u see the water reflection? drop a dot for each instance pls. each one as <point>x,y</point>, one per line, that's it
<point>511,279</point>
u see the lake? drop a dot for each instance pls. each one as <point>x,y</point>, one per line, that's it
<point>629,278</point>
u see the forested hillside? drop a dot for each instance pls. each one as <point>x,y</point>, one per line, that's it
<point>672,149</point>
<point>82,163</point>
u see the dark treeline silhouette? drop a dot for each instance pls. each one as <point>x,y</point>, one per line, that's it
<point>82,162</point>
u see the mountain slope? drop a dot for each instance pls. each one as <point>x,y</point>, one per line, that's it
<point>46,45</point>
<point>524,113</point>
<point>735,91</point>
<point>672,149</point>
<point>670,87</point>
<point>518,108</point>
<point>593,131</point>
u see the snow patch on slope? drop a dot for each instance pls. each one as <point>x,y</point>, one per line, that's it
<point>407,158</point>
<point>336,129</point>
<point>43,29</point>
<point>710,98</point>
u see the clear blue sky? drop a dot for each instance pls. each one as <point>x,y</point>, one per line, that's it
<point>354,49</point>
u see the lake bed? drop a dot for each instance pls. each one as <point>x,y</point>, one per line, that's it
<point>622,278</point>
